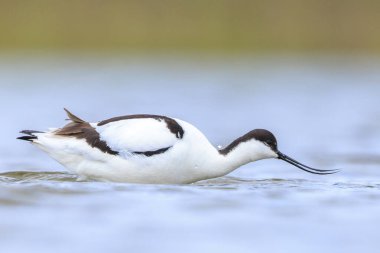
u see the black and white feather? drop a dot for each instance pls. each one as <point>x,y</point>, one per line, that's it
<point>147,148</point>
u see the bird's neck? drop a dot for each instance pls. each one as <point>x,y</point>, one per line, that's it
<point>227,160</point>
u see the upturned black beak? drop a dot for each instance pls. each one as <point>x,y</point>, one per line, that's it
<point>303,166</point>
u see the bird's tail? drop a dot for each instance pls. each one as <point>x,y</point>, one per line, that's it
<point>29,135</point>
<point>74,127</point>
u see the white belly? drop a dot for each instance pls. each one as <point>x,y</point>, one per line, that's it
<point>178,165</point>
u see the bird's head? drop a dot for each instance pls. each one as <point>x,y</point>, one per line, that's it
<point>263,145</point>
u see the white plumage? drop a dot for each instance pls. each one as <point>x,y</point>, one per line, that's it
<point>131,135</point>
<point>151,149</point>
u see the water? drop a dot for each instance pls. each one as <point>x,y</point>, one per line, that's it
<point>323,111</point>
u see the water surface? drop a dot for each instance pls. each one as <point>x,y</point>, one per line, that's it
<point>323,111</point>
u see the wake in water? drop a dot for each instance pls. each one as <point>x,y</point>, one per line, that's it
<point>28,176</point>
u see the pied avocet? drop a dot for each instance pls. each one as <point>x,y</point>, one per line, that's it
<point>147,148</point>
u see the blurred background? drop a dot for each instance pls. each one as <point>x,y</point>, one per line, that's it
<point>178,25</point>
<point>309,71</point>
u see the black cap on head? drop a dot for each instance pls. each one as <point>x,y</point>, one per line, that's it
<point>265,137</point>
<point>262,135</point>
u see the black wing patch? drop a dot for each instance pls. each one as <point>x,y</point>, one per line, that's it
<point>87,132</point>
<point>152,153</point>
<point>171,124</point>
<point>81,129</point>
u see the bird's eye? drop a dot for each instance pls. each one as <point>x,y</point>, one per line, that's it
<point>267,143</point>
<point>270,143</point>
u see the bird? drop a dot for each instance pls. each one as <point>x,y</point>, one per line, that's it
<point>151,149</point>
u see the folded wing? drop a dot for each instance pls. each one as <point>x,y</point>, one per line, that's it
<point>140,134</point>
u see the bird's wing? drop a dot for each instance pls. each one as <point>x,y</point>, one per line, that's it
<point>139,134</point>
